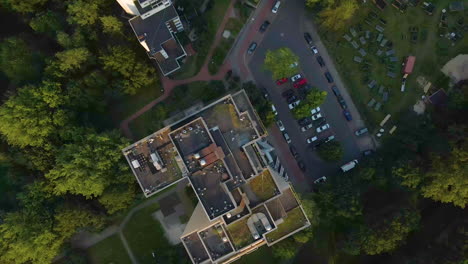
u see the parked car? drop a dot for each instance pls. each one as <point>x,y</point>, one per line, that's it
<point>330,138</point>
<point>252,47</point>
<point>281,81</point>
<point>306,127</point>
<point>301,165</point>
<point>367,152</point>
<point>322,128</point>
<point>320,61</point>
<point>275,8</point>
<point>329,77</point>
<point>293,151</point>
<point>312,139</point>
<point>308,38</point>
<point>335,90</point>
<point>315,110</point>
<point>314,49</point>
<point>317,116</point>
<point>347,115</point>
<point>264,26</point>
<point>273,109</point>
<point>294,104</point>
<point>291,99</point>
<point>304,121</point>
<point>300,83</point>
<point>342,102</point>
<point>296,77</point>
<point>350,165</point>
<point>361,131</point>
<point>286,137</point>
<point>280,125</point>
<point>320,180</point>
<point>288,93</point>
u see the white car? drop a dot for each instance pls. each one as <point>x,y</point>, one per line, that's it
<point>315,110</point>
<point>273,108</point>
<point>280,125</point>
<point>294,104</point>
<point>286,137</point>
<point>305,128</point>
<point>330,138</point>
<point>311,139</point>
<point>314,49</point>
<point>296,77</point>
<point>317,116</point>
<point>323,128</point>
<point>275,8</point>
<point>321,179</point>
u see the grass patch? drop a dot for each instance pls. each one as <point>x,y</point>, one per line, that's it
<point>294,220</point>
<point>145,235</point>
<point>430,50</point>
<point>240,233</point>
<point>183,97</point>
<point>109,250</point>
<point>206,27</point>
<point>263,186</point>
<point>261,255</point>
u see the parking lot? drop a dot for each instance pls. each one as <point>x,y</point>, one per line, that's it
<point>287,29</point>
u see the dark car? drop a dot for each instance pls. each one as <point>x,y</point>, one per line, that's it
<point>304,121</point>
<point>342,102</point>
<point>320,61</point>
<point>335,90</point>
<point>301,165</point>
<point>264,26</point>
<point>252,47</point>
<point>329,77</point>
<point>347,115</point>
<point>287,93</point>
<point>361,131</point>
<point>291,99</point>
<point>308,38</point>
<point>293,151</point>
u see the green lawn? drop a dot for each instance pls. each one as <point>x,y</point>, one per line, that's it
<point>294,220</point>
<point>431,52</point>
<point>109,250</point>
<point>261,255</point>
<point>234,25</point>
<point>212,18</point>
<point>182,97</point>
<point>240,233</point>
<point>263,186</point>
<point>145,235</point>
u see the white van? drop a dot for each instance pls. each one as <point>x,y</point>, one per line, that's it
<point>350,165</point>
<point>275,8</point>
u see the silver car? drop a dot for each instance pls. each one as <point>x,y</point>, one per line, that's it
<point>323,128</point>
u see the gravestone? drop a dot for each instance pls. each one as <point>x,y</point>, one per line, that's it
<point>347,37</point>
<point>355,45</point>
<point>363,40</point>
<point>362,52</point>
<point>357,59</point>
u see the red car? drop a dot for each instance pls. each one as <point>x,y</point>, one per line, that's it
<point>299,83</point>
<point>281,81</point>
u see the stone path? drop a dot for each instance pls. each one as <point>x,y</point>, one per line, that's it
<point>202,75</point>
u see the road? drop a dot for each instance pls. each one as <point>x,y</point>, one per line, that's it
<point>287,30</point>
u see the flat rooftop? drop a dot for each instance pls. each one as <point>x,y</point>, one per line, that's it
<point>155,162</point>
<point>195,248</point>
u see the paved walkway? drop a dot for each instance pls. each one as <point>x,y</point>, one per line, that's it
<point>202,75</point>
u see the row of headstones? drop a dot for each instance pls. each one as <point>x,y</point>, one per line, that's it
<point>382,91</point>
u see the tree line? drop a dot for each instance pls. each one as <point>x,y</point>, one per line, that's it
<point>62,170</point>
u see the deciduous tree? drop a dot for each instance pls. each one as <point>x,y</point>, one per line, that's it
<point>72,59</point>
<point>336,18</point>
<point>111,25</point>
<point>47,22</point>
<point>32,116</point>
<point>331,151</point>
<point>25,6</point>
<point>19,63</point>
<point>122,62</point>
<point>280,63</point>
<point>313,99</point>
<point>83,13</point>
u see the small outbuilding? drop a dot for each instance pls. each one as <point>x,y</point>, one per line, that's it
<point>409,64</point>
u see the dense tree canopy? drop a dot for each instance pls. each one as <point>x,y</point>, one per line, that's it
<point>331,151</point>
<point>111,25</point>
<point>122,61</point>
<point>280,63</point>
<point>336,17</point>
<point>25,6</point>
<point>89,165</point>
<point>46,22</point>
<point>82,12</point>
<point>19,63</point>
<point>33,115</point>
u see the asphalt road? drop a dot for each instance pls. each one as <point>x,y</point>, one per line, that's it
<point>287,30</point>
